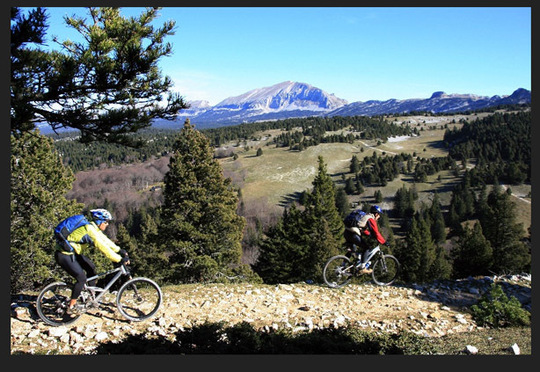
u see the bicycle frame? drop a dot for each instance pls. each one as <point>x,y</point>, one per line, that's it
<point>340,269</point>
<point>372,253</point>
<point>122,270</point>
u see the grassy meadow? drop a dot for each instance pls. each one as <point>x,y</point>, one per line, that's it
<point>279,174</point>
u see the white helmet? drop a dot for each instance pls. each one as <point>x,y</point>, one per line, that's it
<point>100,215</point>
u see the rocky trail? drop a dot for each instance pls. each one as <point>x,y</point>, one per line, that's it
<point>433,310</point>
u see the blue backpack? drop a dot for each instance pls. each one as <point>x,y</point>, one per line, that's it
<point>354,219</point>
<point>66,227</point>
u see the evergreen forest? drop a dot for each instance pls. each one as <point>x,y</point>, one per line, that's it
<point>477,234</point>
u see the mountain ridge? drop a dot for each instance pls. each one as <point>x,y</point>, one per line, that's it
<point>290,99</point>
<point>268,103</point>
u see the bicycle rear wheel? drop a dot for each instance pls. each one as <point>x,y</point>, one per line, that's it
<point>338,271</point>
<point>51,304</point>
<point>139,299</point>
<point>385,270</point>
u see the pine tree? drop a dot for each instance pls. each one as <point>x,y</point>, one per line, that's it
<point>199,230</point>
<point>342,203</point>
<point>355,165</point>
<point>141,244</point>
<point>438,227</point>
<point>39,182</point>
<point>441,268</point>
<point>322,202</point>
<point>419,253</point>
<point>297,248</point>
<point>321,245</point>
<point>350,187</point>
<point>282,251</point>
<point>323,223</point>
<point>510,253</point>
<point>359,186</point>
<point>410,253</point>
<point>129,243</point>
<point>109,84</point>
<point>473,254</point>
<point>427,250</point>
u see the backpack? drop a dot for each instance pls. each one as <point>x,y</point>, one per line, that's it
<point>356,218</point>
<point>66,227</point>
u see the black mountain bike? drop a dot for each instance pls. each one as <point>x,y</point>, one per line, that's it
<point>339,270</point>
<point>137,299</point>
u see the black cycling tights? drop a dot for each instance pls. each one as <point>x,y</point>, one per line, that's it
<point>76,265</point>
<point>352,238</point>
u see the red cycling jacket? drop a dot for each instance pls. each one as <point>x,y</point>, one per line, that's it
<point>372,228</point>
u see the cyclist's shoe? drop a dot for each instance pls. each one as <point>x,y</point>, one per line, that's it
<point>366,271</point>
<point>75,309</point>
<point>72,310</point>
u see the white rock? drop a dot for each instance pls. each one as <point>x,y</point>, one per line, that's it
<point>515,349</point>
<point>100,336</point>
<point>471,349</point>
<point>33,333</point>
<point>57,331</point>
<point>286,297</point>
<point>339,321</point>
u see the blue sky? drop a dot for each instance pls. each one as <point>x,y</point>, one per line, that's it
<point>356,53</point>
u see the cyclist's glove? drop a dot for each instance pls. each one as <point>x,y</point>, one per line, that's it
<point>386,244</point>
<point>125,257</point>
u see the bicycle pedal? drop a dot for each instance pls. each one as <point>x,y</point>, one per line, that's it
<point>75,310</point>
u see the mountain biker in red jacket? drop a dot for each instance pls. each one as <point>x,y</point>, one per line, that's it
<point>78,265</point>
<point>372,229</point>
<point>370,236</point>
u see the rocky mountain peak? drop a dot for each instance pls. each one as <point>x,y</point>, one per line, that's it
<point>290,99</point>
<point>285,96</point>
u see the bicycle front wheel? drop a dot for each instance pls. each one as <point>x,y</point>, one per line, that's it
<point>338,271</point>
<point>385,270</point>
<point>139,299</point>
<point>51,304</point>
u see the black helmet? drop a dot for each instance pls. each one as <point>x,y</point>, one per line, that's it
<point>375,209</point>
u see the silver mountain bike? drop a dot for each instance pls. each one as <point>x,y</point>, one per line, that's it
<point>340,269</point>
<point>137,299</point>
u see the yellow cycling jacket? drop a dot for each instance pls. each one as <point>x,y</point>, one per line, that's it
<point>90,234</point>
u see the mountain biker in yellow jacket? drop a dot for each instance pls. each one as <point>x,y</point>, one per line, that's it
<point>76,263</point>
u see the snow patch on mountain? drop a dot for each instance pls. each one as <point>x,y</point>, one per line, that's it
<point>285,96</point>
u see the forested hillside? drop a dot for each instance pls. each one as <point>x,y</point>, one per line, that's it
<point>296,133</point>
<point>499,144</point>
<point>480,151</point>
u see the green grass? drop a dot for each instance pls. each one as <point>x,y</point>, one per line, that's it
<point>280,172</point>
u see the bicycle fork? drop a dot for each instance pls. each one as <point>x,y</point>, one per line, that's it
<point>382,261</point>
